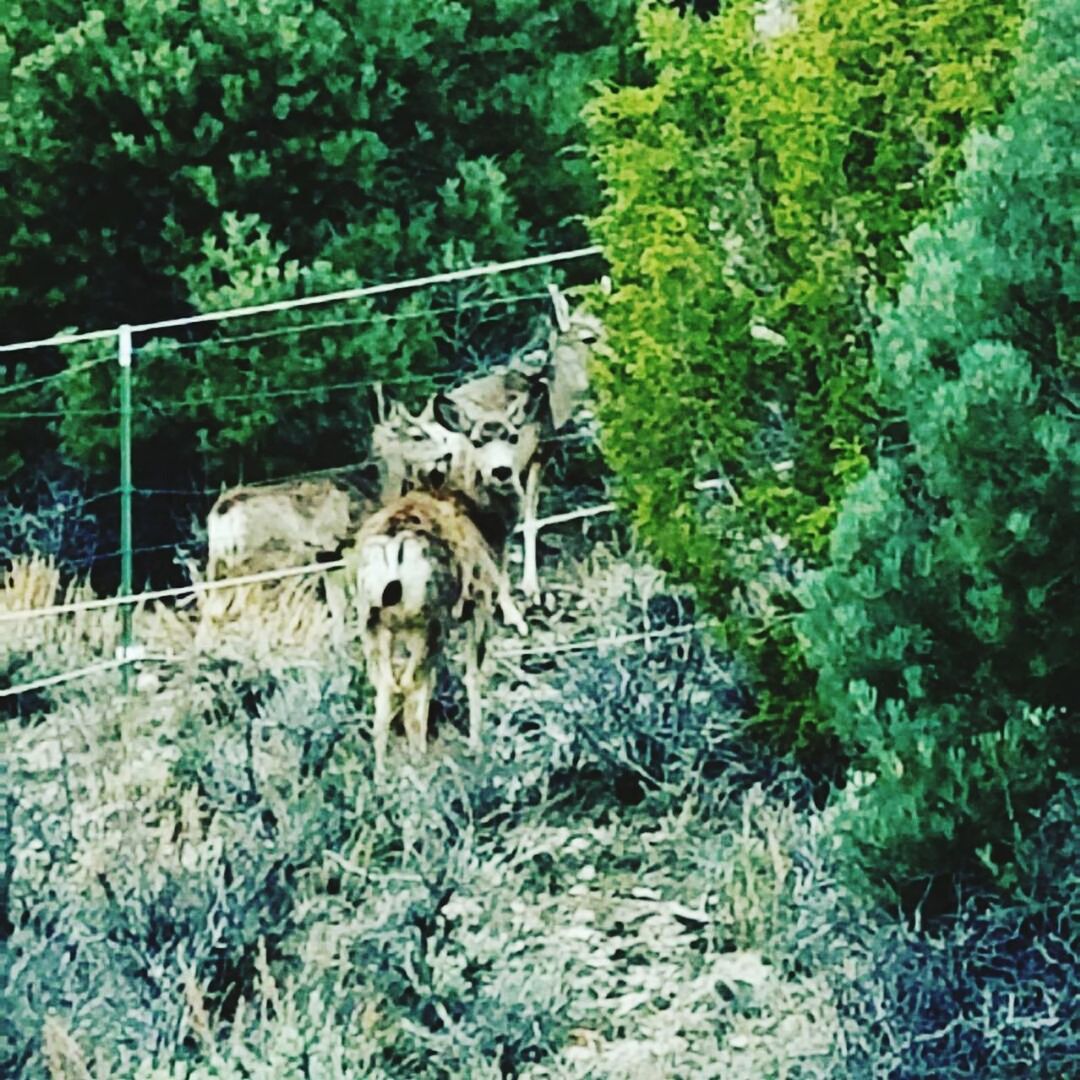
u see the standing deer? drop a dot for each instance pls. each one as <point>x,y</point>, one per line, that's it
<point>268,527</point>
<point>506,414</point>
<point>416,565</point>
<point>415,453</point>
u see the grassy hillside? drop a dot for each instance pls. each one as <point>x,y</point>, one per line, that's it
<point>204,882</point>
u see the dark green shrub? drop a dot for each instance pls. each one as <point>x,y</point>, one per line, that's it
<point>169,159</point>
<point>989,988</point>
<point>755,192</point>
<point>945,629</point>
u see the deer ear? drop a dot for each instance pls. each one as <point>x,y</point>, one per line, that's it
<point>527,394</point>
<point>562,308</point>
<point>517,382</point>
<point>539,393</point>
<point>447,413</point>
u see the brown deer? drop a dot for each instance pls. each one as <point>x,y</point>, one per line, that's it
<point>415,453</point>
<point>255,528</point>
<point>506,414</point>
<point>415,566</point>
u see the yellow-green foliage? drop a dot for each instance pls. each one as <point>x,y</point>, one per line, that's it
<point>756,191</point>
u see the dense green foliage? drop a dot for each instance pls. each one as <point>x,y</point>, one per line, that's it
<point>170,158</point>
<point>756,192</point>
<point>945,628</point>
<point>202,880</point>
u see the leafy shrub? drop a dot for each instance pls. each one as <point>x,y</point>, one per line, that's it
<point>639,719</point>
<point>989,988</point>
<point>755,191</point>
<point>52,518</point>
<point>944,629</point>
<point>175,159</point>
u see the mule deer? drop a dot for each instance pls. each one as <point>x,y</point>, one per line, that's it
<point>417,454</point>
<point>416,565</point>
<point>506,414</point>
<point>267,527</point>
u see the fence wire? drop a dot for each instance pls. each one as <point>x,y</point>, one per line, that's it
<point>122,335</point>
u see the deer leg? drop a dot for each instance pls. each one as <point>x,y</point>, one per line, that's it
<point>420,704</point>
<point>530,583</point>
<point>474,644</point>
<point>334,584</point>
<point>416,681</point>
<point>381,675</point>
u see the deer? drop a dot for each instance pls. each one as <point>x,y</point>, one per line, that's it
<point>416,565</point>
<point>506,414</point>
<point>417,453</point>
<point>256,528</point>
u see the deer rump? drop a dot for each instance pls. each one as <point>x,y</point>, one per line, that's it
<point>274,526</point>
<point>416,566</point>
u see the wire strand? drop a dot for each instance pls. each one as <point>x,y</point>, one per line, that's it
<point>336,324</point>
<point>81,673</point>
<point>26,614</point>
<point>56,414</point>
<point>583,645</point>
<point>63,677</point>
<point>606,642</point>
<point>93,560</point>
<point>41,379</point>
<point>178,405</point>
<point>309,301</point>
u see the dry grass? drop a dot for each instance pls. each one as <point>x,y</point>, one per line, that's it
<point>32,582</point>
<point>265,622</point>
<point>516,914</point>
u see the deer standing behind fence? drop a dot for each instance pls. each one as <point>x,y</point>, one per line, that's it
<point>507,414</point>
<point>272,526</point>
<point>415,453</point>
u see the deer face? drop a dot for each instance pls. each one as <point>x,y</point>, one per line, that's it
<point>419,454</point>
<point>503,440</point>
<point>570,350</point>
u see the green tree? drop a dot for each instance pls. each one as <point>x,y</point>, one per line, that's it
<point>161,159</point>
<point>944,628</point>
<point>756,192</point>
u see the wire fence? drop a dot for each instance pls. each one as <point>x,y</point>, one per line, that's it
<point>262,577</point>
<point>343,324</point>
<point>449,277</point>
<point>157,347</point>
<point>127,600</point>
<point>128,654</point>
<point>123,406</point>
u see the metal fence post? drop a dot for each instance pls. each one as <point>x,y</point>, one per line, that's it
<point>126,586</point>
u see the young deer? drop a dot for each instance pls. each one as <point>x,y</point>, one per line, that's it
<point>272,526</point>
<point>506,414</point>
<point>416,565</point>
<point>417,454</point>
